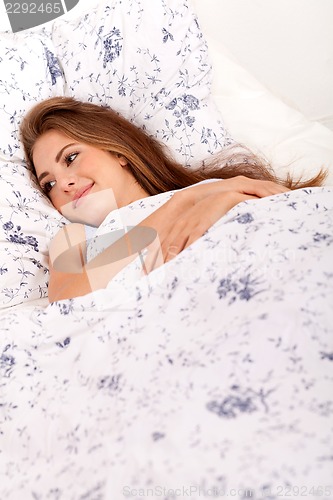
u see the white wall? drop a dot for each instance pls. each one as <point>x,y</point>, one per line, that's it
<point>286,44</point>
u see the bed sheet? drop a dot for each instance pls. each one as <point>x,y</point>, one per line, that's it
<point>213,378</point>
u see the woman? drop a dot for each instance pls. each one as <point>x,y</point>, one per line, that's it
<point>89,161</point>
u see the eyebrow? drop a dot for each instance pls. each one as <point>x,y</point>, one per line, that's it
<point>57,158</point>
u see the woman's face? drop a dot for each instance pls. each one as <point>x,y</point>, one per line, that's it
<point>84,183</point>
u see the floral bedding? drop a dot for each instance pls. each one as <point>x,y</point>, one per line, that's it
<point>213,378</point>
<point>157,74</point>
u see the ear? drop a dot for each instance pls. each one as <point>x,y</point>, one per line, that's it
<point>122,160</point>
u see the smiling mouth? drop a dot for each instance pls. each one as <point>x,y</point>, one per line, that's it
<point>81,194</point>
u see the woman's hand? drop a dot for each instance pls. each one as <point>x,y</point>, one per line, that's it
<point>192,211</point>
<point>239,184</point>
<point>179,222</point>
<point>176,234</point>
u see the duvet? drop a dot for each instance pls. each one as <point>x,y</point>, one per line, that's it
<point>211,378</point>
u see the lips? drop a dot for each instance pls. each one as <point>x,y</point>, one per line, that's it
<point>80,193</point>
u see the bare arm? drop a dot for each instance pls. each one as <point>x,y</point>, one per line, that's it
<point>67,273</point>
<point>187,226</point>
<point>190,212</point>
<point>71,275</point>
<point>178,223</point>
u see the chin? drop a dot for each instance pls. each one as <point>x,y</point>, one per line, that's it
<point>91,209</point>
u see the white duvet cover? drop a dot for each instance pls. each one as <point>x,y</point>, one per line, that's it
<point>212,380</point>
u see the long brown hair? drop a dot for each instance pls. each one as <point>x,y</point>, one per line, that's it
<point>149,161</point>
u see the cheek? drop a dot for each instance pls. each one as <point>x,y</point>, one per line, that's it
<point>56,201</point>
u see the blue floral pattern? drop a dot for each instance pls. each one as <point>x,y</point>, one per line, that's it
<point>30,72</point>
<point>160,78</point>
<point>112,46</point>
<point>15,235</point>
<point>53,66</point>
<point>27,222</point>
<point>215,373</point>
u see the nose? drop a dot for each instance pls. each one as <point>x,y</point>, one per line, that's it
<point>67,182</point>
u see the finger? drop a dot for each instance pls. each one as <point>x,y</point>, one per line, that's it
<point>194,236</point>
<point>259,188</point>
<point>268,188</point>
<point>174,245</point>
<point>173,250</point>
<point>154,257</point>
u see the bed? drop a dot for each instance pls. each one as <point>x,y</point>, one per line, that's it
<point>212,376</point>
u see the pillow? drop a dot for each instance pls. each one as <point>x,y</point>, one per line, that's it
<point>29,73</point>
<point>266,124</point>
<point>27,222</point>
<point>255,116</point>
<point>155,73</point>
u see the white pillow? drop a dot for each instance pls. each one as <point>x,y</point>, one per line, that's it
<point>149,62</point>
<point>29,73</point>
<point>27,222</point>
<point>267,125</point>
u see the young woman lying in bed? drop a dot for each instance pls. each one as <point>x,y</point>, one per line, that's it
<point>90,161</point>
